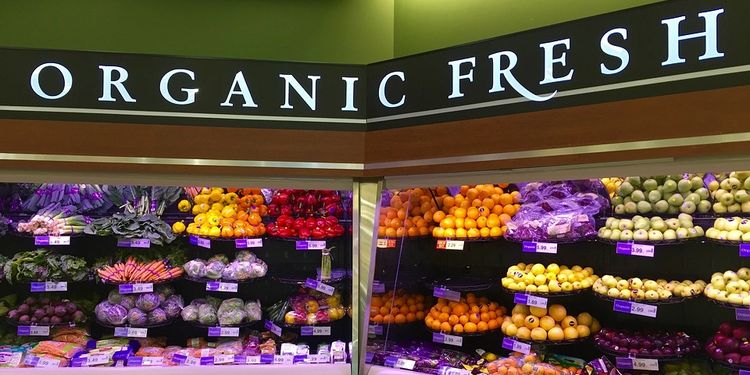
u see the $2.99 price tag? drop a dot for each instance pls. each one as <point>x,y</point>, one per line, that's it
<point>635,308</point>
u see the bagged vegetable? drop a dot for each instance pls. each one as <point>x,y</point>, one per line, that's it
<point>195,268</point>
<point>57,348</point>
<point>137,317</point>
<point>245,256</point>
<point>214,270</point>
<point>157,316</point>
<point>189,313</point>
<point>172,306</point>
<point>116,315</point>
<point>147,301</point>
<point>232,316</point>
<point>207,315</point>
<point>128,301</point>
<point>254,311</point>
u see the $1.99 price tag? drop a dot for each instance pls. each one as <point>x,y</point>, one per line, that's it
<point>539,247</point>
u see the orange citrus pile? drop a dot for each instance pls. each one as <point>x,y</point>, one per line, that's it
<point>480,211</point>
<point>228,213</point>
<point>409,213</point>
<point>519,363</point>
<point>470,315</point>
<point>543,324</point>
<point>397,307</point>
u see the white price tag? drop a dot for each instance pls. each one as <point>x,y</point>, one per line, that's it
<point>153,361</point>
<point>223,358</point>
<point>645,364</point>
<point>48,362</point>
<point>131,332</point>
<point>643,310</point>
<point>59,240</point>
<point>447,339</point>
<point>450,245</point>
<point>97,359</point>
<point>643,251</point>
<point>516,346</point>
<point>406,364</point>
<point>384,243</point>
<point>252,359</point>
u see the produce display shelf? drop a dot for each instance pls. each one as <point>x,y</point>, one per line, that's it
<point>163,324</point>
<point>203,280</point>
<point>549,295</point>
<point>117,284</point>
<point>553,343</point>
<point>662,358</point>
<point>317,369</point>
<point>396,329</point>
<point>15,323</point>
<point>731,366</point>
<point>726,243</point>
<point>243,325</point>
<point>662,243</point>
<point>223,239</point>
<point>382,370</point>
<point>464,283</point>
<point>495,331</point>
<point>727,304</point>
<point>668,301</point>
<point>297,280</point>
<point>554,241</point>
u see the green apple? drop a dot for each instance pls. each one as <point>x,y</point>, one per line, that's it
<point>730,276</point>
<point>734,183</point>
<point>688,207</point>
<point>627,235</point>
<point>673,223</point>
<point>670,235</point>
<point>620,209</point>
<point>703,193</point>
<point>684,186</point>
<point>693,197</point>
<point>608,223</point>
<point>625,189</point>
<point>655,235</point>
<point>746,237</point>
<point>659,225</point>
<point>631,208</point>
<point>724,184</point>
<point>726,199</point>
<point>741,196</point>
<point>732,223</point>
<point>743,273</point>
<point>615,235</point>
<point>600,232</point>
<point>696,182</point>
<point>635,181</point>
<point>628,224</point>
<point>669,186</point>
<point>745,207</point>
<point>734,235</point>
<point>616,200</point>
<point>650,184</point>
<point>640,235</point>
<point>654,196</point>
<point>607,233</point>
<point>713,185</point>
<point>682,233</point>
<point>746,184</point>
<point>711,233</point>
<point>637,196</point>
<point>719,208</point>
<point>744,225</point>
<point>614,224</point>
<point>704,206</point>
<point>699,230</point>
<point>641,223</point>
<point>661,206</point>
<point>643,207</point>
<point>675,200</point>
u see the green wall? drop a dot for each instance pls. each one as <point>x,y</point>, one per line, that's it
<point>424,25</point>
<point>345,31</point>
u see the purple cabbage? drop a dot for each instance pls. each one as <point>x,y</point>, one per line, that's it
<point>116,315</point>
<point>157,316</point>
<point>137,317</point>
<point>148,301</point>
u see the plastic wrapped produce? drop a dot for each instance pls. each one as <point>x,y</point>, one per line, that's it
<point>190,313</point>
<point>207,315</point>
<point>214,270</point>
<point>128,301</point>
<point>114,297</point>
<point>157,316</point>
<point>231,304</point>
<point>195,268</point>
<point>232,316</point>
<point>148,301</point>
<point>137,317</point>
<point>258,269</point>
<point>172,306</point>
<point>245,256</point>
<point>101,310</point>
<point>116,315</point>
<point>558,211</point>
<point>254,311</point>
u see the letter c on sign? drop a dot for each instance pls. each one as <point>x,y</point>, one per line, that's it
<point>67,80</point>
<point>381,90</point>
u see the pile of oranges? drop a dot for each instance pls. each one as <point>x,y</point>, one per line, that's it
<point>518,363</point>
<point>227,213</point>
<point>397,307</point>
<point>469,315</point>
<point>409,213</point>
<point>481,211</point>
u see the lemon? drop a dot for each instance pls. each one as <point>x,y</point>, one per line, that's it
<point>178,227</point>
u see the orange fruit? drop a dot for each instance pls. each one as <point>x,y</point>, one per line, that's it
<point>481,222</point>
<point>470,327</point>
<point>449,202</point>
<point>485,317</point>
<point>482,326</point>
<point>411,317</point>
<point>509,209</point>
<point>438,216</point>
<point>445,309</point>
<point>472,193</point>
<point>475,318</point>
<point>496,232</point>
<point>390,232</point>
<point>443,317</point>
<point>460,213</point>
<point>447,223</point>
<point>461,233</point>
<point>419,315</point>
<point>445,327</point>
<point>458,328</point>
<point>488,203</point>
<point>463,319</point>
<point>470,223</point>
<point>423,231</point>
<point>506,199</point>
<point>472,213</point>
<point>437,232</point>
<point>492,325</point>
<point>449,233</point>
<point>400,319</point>
<point>412,232</point>
<point>459,222</point>
<point>381,232</point>
<point>388,319</point>
<point>453,320</point>
<point>400,232</point>
<point>484,232</point>
<point>435,325</point>
<point>473,233</point>
<point>377,319</point>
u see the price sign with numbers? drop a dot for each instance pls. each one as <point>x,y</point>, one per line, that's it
<point>385,243</point>
<point>453,371</point>
<point>401,363</point>
<point>276,330</point>
<point>378,287</point>
<point>315,331</point>
<point>643,364</point>
<point>640,250</point>
<point>142,243</point>
<point>52,240</point>
<point>248,243</point>
<point>136,288</point>
<point>319,286</point>
<point>223,332</point>
<point>441,338</point>
<point>130,332</point>
<point>310,245</point>
<point>529,300</point>
<point>635,308</point>
<point>450,245</point>
<point>49,286</point>
<point>200,242</point>
<point>216,286</point>
<point>745,250</point>
<point>539,247</point>
<point>447,294</point>
<point>516,346</point>
<point>32,331</point>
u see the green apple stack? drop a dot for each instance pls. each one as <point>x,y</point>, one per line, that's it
<point>662,195</point>
<point>730,286</point>
<point>645,289</point>
<point>643,229</point>
<point>731,192</point>
<point>730,229</point>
